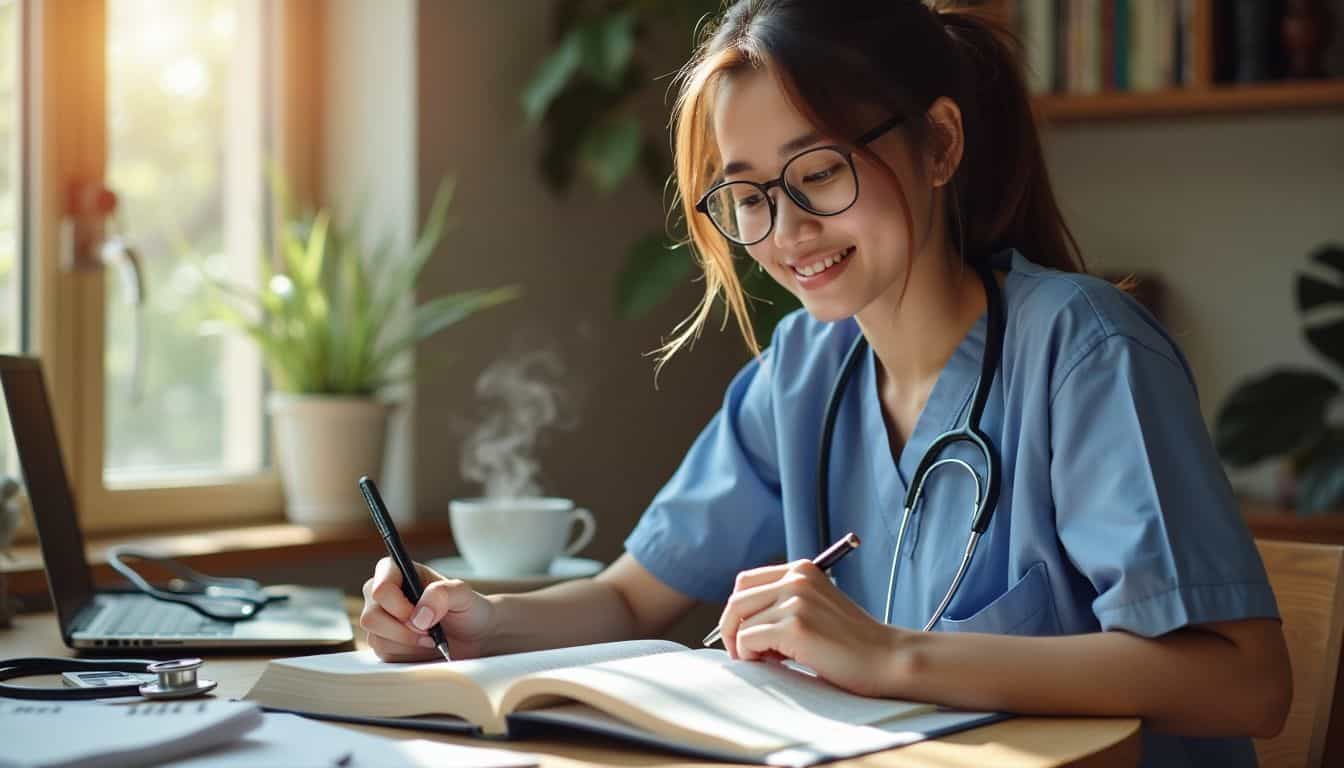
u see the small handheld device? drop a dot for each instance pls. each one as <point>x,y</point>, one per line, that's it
<point>105,679</point>
<point>410,582</point>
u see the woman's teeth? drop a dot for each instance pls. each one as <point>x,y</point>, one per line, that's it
<point>825,264</point>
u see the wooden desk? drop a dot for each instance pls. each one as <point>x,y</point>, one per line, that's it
<point>1025,742</point>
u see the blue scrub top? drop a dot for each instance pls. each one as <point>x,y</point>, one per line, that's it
<point>1114,511</point>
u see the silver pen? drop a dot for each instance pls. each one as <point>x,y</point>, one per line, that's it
<point>847,543</point>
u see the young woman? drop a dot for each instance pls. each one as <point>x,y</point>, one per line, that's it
<point>879,160</point>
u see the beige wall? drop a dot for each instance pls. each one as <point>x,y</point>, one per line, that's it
<point>1226,210</point>
<point>368,158</point>
<point>566,254</point>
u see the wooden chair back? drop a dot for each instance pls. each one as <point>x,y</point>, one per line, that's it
<point>1308,582</point>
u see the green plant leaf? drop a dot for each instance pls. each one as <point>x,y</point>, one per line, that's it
<point>607,44</point>
<point>1331,255</point>
<point>1271,415</point>
<point>397,283</point>
<point>433,316</point>
<point>330,318</point>
<point>1327,339</point>
<point>654,268</point>
<point>573,115</point>
<point>611,151</point>
<point>1320,486</point>
<point>1312,292</point>
<point>552,76</point>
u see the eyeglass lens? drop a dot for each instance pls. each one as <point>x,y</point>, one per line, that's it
<point>820,181</point>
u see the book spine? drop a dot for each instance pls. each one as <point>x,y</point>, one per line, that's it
<point>1076,11</point>
<point>1089,33</point>
<point>1038,27</point>
<point>1061,46</point>
<point>1254,25</point>
<point>1120,44</point>
<point>1166,45</point>
<point>1141,71</point>
<point>1107,43</point>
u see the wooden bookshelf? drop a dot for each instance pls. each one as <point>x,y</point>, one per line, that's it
<point>1202,96</point>
<point>1283,95</point>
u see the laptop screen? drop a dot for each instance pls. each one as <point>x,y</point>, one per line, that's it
<point>25,395</point>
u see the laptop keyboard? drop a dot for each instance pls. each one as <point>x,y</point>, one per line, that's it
<point>147,617</point>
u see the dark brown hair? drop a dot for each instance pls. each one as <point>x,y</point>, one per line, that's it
<point>837,60</point>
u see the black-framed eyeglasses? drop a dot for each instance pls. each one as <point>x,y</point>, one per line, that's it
<point>820,180</point>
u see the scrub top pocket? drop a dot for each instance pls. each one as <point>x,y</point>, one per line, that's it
<point>1027,608</point>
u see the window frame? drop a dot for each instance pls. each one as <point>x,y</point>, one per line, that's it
<point>67,127</point>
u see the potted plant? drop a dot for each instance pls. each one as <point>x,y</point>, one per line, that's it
<point>333,322</point>
<point>1286,412</point>
<point>590,96</point>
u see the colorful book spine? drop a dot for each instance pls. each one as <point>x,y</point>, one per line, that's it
<point>1120,44</point>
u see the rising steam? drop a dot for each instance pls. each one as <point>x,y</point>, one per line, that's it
<point>526,397</point>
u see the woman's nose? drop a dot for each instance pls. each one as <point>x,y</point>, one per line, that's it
<point>793,225</point>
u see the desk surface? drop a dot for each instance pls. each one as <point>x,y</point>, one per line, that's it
<point>1023,742</point>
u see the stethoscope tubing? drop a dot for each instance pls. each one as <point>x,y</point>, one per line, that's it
<point>969,431</point>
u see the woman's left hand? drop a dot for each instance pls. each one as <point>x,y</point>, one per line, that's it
<point>794,611</point>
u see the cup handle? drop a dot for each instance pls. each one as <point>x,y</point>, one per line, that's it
<point>586,533</point>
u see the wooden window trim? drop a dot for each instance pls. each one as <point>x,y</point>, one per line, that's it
<point>225,552</point>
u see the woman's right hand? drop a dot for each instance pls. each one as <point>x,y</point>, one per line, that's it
<point>399,631</point>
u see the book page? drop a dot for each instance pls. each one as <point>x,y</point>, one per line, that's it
<point>494,673</point>
<point>358,683</point>
<point>703,697</point>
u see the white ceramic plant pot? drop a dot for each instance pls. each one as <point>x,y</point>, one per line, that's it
<point>324,443</point>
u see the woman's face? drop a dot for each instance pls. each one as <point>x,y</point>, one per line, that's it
<point>867,247</point>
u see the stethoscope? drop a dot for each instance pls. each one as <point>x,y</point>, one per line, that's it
<point>968,432</point>
<point>175,679</point>
<point>215,597</point>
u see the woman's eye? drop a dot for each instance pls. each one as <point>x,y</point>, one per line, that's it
<point>750,201</point>
<point>822,175</point>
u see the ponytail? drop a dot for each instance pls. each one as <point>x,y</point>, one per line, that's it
<point>1001,190</point>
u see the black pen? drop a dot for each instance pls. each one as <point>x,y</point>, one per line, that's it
<point>410,583</point>
<point>847,543</point>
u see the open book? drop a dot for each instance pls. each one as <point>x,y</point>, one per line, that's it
<point>651,691</point>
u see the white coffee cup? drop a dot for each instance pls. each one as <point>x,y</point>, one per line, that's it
<point>502,537</point>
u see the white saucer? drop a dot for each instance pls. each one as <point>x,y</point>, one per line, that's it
<point>563,569</point>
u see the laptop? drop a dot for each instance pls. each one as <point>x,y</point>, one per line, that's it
<point>101,619</point>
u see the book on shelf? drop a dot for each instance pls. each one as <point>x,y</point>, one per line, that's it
<point>1090,46</point>
<point>651,692</point>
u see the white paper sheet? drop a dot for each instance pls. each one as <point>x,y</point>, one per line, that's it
<point>284,741</point>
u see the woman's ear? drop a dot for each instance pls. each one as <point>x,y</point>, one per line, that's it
<point>948,140</point>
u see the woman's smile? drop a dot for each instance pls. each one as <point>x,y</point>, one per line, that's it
<point>815,271</point>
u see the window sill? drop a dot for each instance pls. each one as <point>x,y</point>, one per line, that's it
<point>225,551</point>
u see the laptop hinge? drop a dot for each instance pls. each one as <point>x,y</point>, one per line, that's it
<point>85,616</point>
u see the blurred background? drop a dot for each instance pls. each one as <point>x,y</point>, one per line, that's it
<point>163,164</point>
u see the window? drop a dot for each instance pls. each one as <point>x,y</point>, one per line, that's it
<point>11,266</point>
<point>184,158</point>
<point>162,425</point>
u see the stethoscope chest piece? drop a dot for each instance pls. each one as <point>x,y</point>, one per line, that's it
<point>177,680</point>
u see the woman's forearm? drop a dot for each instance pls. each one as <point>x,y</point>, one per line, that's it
<point>572,613</point>
<point>1224,680</point>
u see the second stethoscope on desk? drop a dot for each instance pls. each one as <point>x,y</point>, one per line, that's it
<point>986,494</point>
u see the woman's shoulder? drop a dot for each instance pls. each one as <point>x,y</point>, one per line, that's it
<point>1067,314</point>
